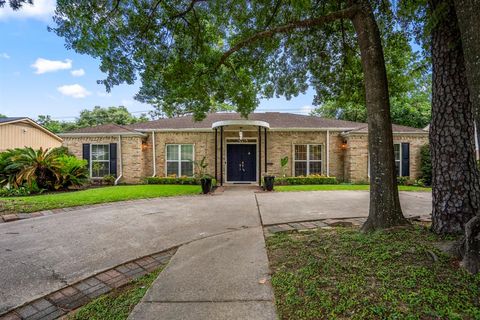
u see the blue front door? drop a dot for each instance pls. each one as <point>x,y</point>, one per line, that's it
<point>241,162</point>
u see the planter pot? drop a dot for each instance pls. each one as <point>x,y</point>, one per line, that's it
<point>269,180</point>
<point>206,185</point>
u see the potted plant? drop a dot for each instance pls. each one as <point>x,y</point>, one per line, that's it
<point>205,179</point>
<point>268,181</point>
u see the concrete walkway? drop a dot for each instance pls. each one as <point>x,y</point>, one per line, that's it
<point>221,270</point>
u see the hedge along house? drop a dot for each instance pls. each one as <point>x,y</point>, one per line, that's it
<point>239,150</point>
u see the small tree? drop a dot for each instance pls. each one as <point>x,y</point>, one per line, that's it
<point>283,164</point>
<point>426,165</point>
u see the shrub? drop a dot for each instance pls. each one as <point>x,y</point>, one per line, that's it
<point>37,170</point>
<point>311,179</point>
<point>108,180</point>
<point>71,172</point>
<point>171,180</point>
<point>425,165</point>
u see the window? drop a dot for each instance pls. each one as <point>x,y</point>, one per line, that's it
<point>308,159</point>
<point>180,160</point>
<point>99,160</point>
<point>397,149</point>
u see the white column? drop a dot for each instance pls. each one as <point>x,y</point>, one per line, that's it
<point>327,150</point>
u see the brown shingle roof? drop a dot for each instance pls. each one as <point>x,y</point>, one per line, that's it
<point>104,128</point>
<point>395,128</point>
<point>275,119</point>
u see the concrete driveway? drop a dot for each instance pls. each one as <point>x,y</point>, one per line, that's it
<point>282,207</point>
<point>44,254</point>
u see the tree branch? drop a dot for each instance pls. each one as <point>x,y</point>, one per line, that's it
<point>347,13</point>
<point>190,7</point>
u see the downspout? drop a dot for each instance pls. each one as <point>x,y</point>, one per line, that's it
<point>119,159</point>
<point>154,155</point>
<point>328,153</point>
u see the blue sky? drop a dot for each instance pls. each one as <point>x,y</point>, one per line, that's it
<point>38,75</point>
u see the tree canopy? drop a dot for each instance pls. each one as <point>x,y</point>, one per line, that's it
<point>97,116</point>
<point>193,55</point>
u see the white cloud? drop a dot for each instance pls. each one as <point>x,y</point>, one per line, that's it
<point>78,72</point>
<point>74,90</point>
<point>306,109</point>
<point>43,65</point>
<point>4,55</point>
<point>104,94</point>
<point>40,10</point>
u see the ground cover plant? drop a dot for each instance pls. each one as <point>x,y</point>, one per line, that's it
<point>343,273</point>
<point>118,304</point>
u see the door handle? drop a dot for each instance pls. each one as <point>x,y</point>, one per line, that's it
<point>243,166</point>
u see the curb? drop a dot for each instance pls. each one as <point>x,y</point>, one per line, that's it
<point>62,301</point>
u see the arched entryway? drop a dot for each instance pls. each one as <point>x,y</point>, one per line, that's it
<point>240,151</point>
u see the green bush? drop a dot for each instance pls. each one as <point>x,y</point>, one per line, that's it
<point>175,180</point>
<point>425,165</point>
<point>171,180</point>
<point>38,170</point>
<point>311,179</point>
<point>108,180</point>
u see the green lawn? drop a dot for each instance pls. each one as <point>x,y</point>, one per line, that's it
<point>342,273</point>
<point>118,304</point>
<point>92,196</point>
<point>323,187</point>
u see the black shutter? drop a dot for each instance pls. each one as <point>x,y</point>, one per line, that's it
<point>406,159</point>
<point>113,159</point>
<point>86,153</point>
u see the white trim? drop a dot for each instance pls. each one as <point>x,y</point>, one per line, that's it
<point>102,134</point>
<point>327,151</point>
<point>36,125</point>
<point>244,122</point>
<point>119,157</point>
<point>154,153</point>
<point>308,157</point>
<point>179,160</point>
<point>256,160</point>
<point>91,160</point>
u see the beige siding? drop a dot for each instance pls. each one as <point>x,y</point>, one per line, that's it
<point>22,134</point>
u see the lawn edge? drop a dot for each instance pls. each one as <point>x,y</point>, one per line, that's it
<point>73,296</point>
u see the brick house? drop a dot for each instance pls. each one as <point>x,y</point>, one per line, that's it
<point>239,150</point>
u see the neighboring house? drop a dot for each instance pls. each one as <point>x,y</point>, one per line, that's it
<point>23,132</point>
<point>239,150</point>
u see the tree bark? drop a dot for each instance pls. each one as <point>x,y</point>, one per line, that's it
<point>385,210</point>
<point>455,178</point>
<point>467,13</point>
<point>469,22</point>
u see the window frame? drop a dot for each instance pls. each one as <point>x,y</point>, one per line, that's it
<point>179,160</point>
<point>400,160</point>
<point>308,161</point>
<point>91,159</point>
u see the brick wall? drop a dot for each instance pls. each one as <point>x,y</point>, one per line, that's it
<point>356,164</point>
<point>347,165</point>
<point>133,158</point>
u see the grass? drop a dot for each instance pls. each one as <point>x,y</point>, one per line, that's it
<point>118,304</point>
<point>92,196</point>
<point>344,274</point>
<point>329,187</point>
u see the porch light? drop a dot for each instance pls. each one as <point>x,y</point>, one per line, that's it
<point>144,145</point>
<point>344,145</point>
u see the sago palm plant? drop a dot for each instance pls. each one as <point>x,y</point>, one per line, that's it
<point>33,166</point>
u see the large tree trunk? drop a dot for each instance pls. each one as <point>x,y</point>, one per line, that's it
<point>385,210</point>
<point>469,23</point>
<point>455,179</point>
